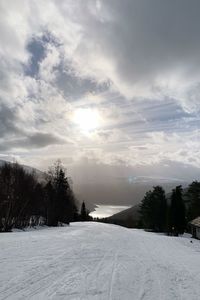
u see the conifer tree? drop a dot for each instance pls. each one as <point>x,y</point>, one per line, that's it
<point>83,212</point>
<point>193,200</point>
<point>61,201</point>
<point>177,221</point>
<point>154,210</point>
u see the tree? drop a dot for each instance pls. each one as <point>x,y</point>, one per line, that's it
<point>60,198</point>
<point>193,200</point>
<point>83,212</point>
<point>51,214</point>
<point>154,210</point>
<point>16,196</point>
<point>24,200</point>
<point>177,221</point>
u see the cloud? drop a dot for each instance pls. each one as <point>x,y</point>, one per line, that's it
<point>43,139</point>
<point>7,121</point>
<point>36,140</point>
<point>36,48</point>
<point>145,49</point>
<point>135,62</point>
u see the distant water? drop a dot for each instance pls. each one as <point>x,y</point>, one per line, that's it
<point>103,211</point>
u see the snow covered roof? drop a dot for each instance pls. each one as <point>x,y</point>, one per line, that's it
<point>195,222</point>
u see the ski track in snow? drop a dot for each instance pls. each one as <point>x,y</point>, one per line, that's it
<point>98,261</point>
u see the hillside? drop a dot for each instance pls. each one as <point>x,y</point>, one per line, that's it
<point>132,212</point>
<point>131,216</point>
<point>40,175</point>
<point>98,261</point>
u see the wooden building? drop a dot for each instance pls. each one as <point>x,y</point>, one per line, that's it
<point>195,228</point>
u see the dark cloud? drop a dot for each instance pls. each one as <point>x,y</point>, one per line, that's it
<point>33,141</point>
<point>40,139</point>
<point>37,50</point>
<point>146,38</point>
<point>146,47</point>
<point>74,86</point>
<point>8,121</point>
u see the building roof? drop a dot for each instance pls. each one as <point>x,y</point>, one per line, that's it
<point>195,222</point>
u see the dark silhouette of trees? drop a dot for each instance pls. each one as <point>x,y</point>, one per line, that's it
<point>193,200</point>
<point>51,214</point>
<point>84,214</point>
<point>158,216</point>
<point>25,201</point>
<point>154,210</point>
<point>177,221</point>
<point>61,205</point>
<point>17,196</point>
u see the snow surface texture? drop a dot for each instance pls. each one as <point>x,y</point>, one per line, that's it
<point>98,261</point>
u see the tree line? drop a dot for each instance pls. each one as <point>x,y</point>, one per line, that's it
<point>26,201</point>
<point>170,213</point>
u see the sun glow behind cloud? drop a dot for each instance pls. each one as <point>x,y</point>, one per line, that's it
<point>127,98</point>
<point>86,119</point>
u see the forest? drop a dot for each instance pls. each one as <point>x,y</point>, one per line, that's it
<point>27,201</point>
<point>170,213</point>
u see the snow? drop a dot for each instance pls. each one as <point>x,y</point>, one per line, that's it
<point>98,261</point>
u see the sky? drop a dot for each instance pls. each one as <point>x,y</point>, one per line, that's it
<point>106,86</point>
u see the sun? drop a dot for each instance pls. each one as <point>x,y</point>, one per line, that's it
<point>87,119</point>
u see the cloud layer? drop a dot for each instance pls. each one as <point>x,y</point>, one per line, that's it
<point>135,62</point>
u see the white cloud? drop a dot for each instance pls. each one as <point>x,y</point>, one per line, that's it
<point>120,59</point>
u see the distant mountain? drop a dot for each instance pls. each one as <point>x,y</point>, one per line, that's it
<point>40,175</point>
<point>118,192</point>
<point>129,217</point>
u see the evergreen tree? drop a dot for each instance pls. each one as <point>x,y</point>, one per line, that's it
<point>154,210</point>
<point>193,200</point>
<point>24,200</point>
<point>61,200</point>
<point>17,197</point>
<point>51,214</point>
<point>83,212</point>
<point>177,221</point>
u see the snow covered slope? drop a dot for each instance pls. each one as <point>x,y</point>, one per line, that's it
<point>98,261</point>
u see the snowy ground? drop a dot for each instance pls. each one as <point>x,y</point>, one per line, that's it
<point>98,261</point>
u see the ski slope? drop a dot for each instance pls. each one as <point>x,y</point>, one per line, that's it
<point>98,261</point>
